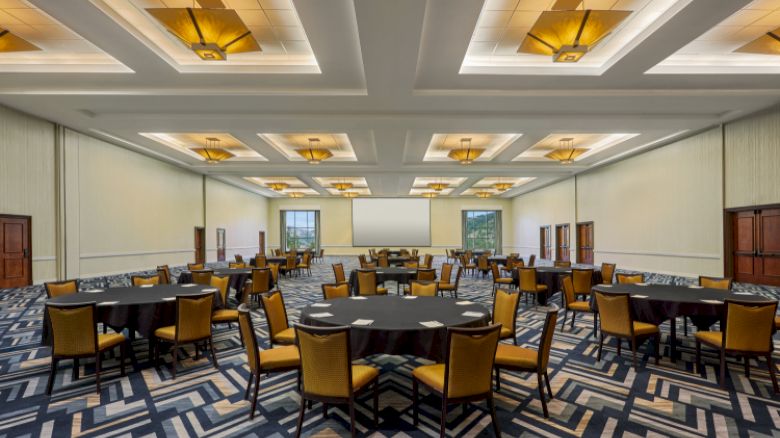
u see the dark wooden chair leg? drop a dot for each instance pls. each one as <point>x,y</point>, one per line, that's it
<point>697,365</point>
<point>213,353</point>
<point>547,381</point>
<point>75,369</point>
<point>300,418</point>
<point>376,403</point>
<point>722,368</point>
<point>633,352</point>
<point>573,317</point>
<point>493,418</point>
<point>542,398</point>
<point>254,397</point>
<point>53,373</point>
<point>97,370</point>
<point>248,386</point>
<point>657,347</point>
<point>443,423</point>
<point>771,364</point>
<point>415,400</point>
<point>352,417</point>
<point>174,355</point>
<point>565,314</point>
<point>122,354</point>
<point>601,346</point>
<point>498,379</point>
<point>747,367</point>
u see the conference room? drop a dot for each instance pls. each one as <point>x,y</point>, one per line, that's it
<point>397,218</point>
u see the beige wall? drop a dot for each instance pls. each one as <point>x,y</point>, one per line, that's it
<point>241,213</point>
<point>551,205</point>
<point>336,222</point>
<point>27,183</point>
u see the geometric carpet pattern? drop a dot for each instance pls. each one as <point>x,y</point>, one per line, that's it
<point>607,398</point>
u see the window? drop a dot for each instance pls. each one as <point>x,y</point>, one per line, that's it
<point>482,230</point>
<point>300,229</point>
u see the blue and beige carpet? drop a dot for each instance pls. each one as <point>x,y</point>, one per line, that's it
<point>607,398</point>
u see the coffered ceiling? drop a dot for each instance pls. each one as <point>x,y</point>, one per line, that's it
<point>391,86</point>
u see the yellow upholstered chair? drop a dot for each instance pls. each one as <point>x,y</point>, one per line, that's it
<point>273,360</point>
<point>411,265</point>
<point>369,266</point>
<point>465,375</point>
<point>320,256</point>
<point>338,273</point>
<point>423,274</point>
<point>532,261</point>
<point>165,274</point>
<point>195,266</point>
<point>305,264</point>
<point>415,251</point>
<point>193,325</point>
<point>630,278</point>
<point>747,333</point>
<point>427,262</point>
<point>716,282</point>
<point>570,303</point>
<point>421,288</point>
<point>290,267</point>
<point>260,283</point>
<point>274,267</point>
<point>562,264</point>
<point>279,330</point>
<point>505,313</point>
<point>582,280</point>
<point>498,280</point>
<point>59,288</point>
<point>337,290</point>
<point>482,265</point>
<point>446,273</point>
<point>328,375</point>
<point>225,315</point>
<point>75,336</point>
<point>239,258</point>
<point>466,264</point>
<point>261,261</point>
<point>528,285</point>
<point>616,320</point>
<point>362,260</point>
<point>142,280</point>
<point>237,265</point>
<point>514,358</point>
<point>607,272</point>
<point>382,261</point>
<point>202,277</point>
<point>367,284</point>
<point>509,265</point>
<point>452,288</point>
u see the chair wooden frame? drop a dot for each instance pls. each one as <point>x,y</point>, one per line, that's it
<point>198,272</point>
<point>268,319</point>
<point>532,260</point>
<point>702,279</point>
<point>376,282</point>
<point>454,289</point>
<point>338,273</point>
<point>325,286</point>
<point>133,279</point>
<point>498,280</point>
<point>513,328</point>
<point>623,278</point>
<point>607,272</point>
<point>536,290</point>
<point>165,274</point>
<point>633,338</point>
<point>575,272</point>
<point>567,308</point>
<point>46,285</point>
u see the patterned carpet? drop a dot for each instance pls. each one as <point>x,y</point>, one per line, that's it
<point>591,398</point>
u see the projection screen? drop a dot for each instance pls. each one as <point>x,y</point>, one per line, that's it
<point>391,222</point>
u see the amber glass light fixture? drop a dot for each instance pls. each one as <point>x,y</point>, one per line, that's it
<point>342,186</point>
<point>567,35</point>
<point>314,154</point>
<point>12,43</point>
<point>502,186</point>
<point>438,186</point>
<point>277,186</point>
<point>483,195</point>
<point>213,153</point>
<point>429,194</point>
<point>566,152</point>
<point>465,154</point>
<point>350,194</point>
<point>295,194</point>
<point>209,32</point>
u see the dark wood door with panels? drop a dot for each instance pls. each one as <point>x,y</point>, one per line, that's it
<point>755,246</point>
<point>545,243</point>
<point>562,242</point>
<point>585,243</point>
<point>15,253</point>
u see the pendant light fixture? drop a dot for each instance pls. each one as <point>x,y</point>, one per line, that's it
<point>483,195</point>
<point>314,154</point>
<point>295,194</point>
<point>429,194</point>
<point>566,152</point>
<point>12,43</point>
<point>213,153</point>
<point>438,186</point>
<point>342,185</point>
<point>502,186</point>
<point>350,194</point>
<point>465,154</point>
<point>277,186</point>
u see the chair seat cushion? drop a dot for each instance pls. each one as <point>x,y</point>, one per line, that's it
<point>280,357</point>
<point>286,336</point>
<point>381,291</point>
<point>224,315</point>
<point>541,287</point>
<point>506,332</point>
<point>431,375</point>
<point>168,333</point>
<point>504,280</point>
<point>580,306</point>
<point>362,375</point>
<point>110,340</point>
<point>516,357</point>
<point>302,266</point>
<point>777,322</point>
<point>446,286</point>
<point>643,328</point>
<point>712,338</point>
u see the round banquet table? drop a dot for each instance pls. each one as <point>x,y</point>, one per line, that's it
<point>551,277</point>
<point>393,260</point>
<point>396,328</point>
<point>497,259</point>
<point>656,303</point>
<point>394,273</point>
<point>281,261</point>
<point>139,309</point>
<point>237,278</point>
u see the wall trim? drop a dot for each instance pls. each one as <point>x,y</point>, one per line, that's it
<point>134,253</point>
<point>661,254</point>
<point>44,259</point>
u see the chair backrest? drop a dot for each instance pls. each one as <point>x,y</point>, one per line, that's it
<point>60,288</point>
<point>322,253</point>
<point>74,329</point>
<point>237,265</point>
<point>426,274</point>
<point>165,274</point>
<point>261,261</point>
<point>615,313</point>
<point>568,290</point>
<point>527,279</point>
<point>545,343</point>
<point>607,272</point>
<point>223,284</point>
<point>482,263</point>
<point>423,288</point>
<point>274,267</point>
<point>239,258</point>
<point>428,261</point>
<point>247,330</point>
<point>370,266</point>
<point>505,309</point>
<point>403,253</point>
<point>519,264</point>
<point>338,273</point>
<point>306,261</point>
<point>749,325</point>
<point>326,362</point>
<point>532,260</point>
<point>193,316</point>
<point>195,266</point>
<point>562,264</point>
<point>494,270</point>
<point>366,282</point>
<point>202,277</point>
<point>715,282</point>
<point>290,261</point>
<point>278,252</point>
<point>630,278</point>
<point>275,312</point>
<point>337,290</point>
<point>383,262</point>
<point>468,367</point>
<point>411,265</point>
<point>141,280</point>
<point>261,280</point>
<point>583,280</point>
<point>415,252</point>
<point>446,273</point>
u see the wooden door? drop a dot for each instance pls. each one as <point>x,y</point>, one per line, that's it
<point>261,242</point>
<point>545,243</point>
<point>562,242</point>
<point>768,224</point>
<point>755,246</point>
<point>585,243</point>
<point>220,244</point>
<point>15,254</point>
<point>200,245</point>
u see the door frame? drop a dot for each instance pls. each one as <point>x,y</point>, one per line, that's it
<point>200,257</point>
<point>29,257</point>
<point>577,240</point>
<point>545,230</point>
<point>568,247</point>
<point>728,234</point>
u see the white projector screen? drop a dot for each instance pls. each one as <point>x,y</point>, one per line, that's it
<point>391,222</point>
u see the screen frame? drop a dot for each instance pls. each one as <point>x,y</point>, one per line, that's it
<point>430,223</point>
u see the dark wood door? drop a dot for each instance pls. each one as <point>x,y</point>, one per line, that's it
<point>545,243</point>
<point>261,242</point>
<point>200,245</point>
<point>585,243</point>
<point>220,244</point>
<point>15,254</point>
<point>756,246</point>
<point>562,242</point>
<point>769,246</point>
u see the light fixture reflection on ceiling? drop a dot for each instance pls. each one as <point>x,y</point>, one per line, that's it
<point>295,194</point>
<point>314,154</point>
<point>429,194</point>
<point>209,32</point>
<point>350,194</point>
<point>277,186</point>
<point>567,35</point>
<point>12,43</point>
<point>483,195</point>
<point>465,154</point>
<point>566,153</point>
<point>213,153</point>
<point>766,44</point>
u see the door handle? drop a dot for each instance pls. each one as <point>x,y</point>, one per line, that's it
<point>26,252</point>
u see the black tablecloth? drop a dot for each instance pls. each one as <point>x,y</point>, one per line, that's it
<point>397,274</point>
<point>551,277</point>
<point>396,328</point>
<point>460,252</point>
<point>281,261</point>
<point>237,278</point>
<point>142,309</point>
<point>393,260</point>
<point>497,259</point>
